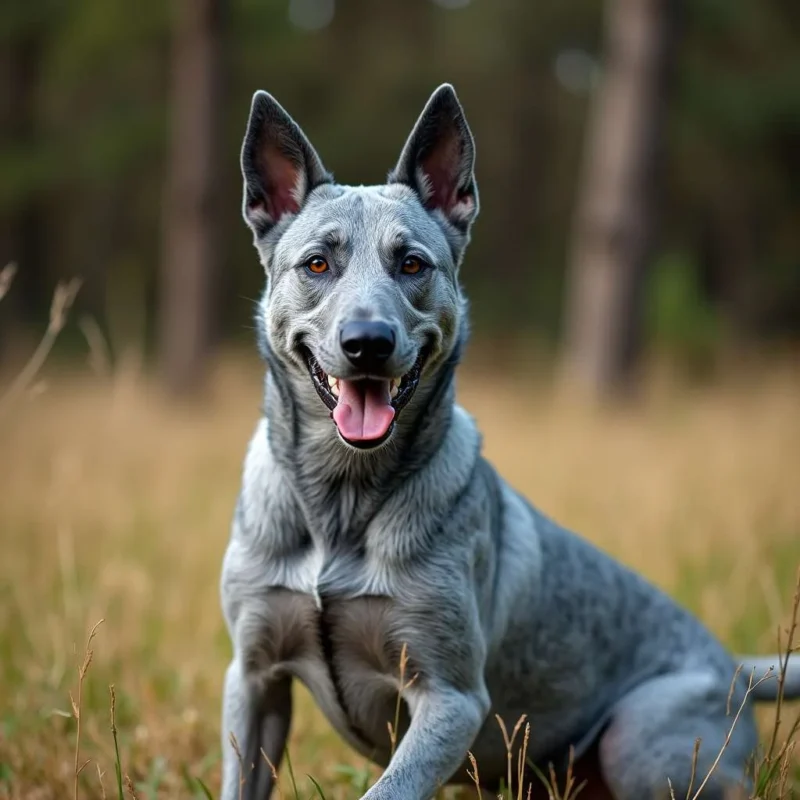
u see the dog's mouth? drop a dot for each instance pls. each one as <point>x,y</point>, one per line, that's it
<point>364,410</point>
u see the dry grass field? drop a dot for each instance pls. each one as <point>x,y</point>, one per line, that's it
<point>115,505</point>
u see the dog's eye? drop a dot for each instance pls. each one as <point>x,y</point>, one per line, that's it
<point>317,265</point>
<point>411,266</point>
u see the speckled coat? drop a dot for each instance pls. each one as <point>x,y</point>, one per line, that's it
<point>340,557</point>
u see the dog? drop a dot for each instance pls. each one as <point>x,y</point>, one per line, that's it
<point>370,528</point>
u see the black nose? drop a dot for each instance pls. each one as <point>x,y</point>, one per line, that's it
<point>367,345</point>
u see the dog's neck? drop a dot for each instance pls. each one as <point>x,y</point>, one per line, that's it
<point>337,485</point>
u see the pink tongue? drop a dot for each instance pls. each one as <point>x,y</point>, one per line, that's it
<point>364,410</point>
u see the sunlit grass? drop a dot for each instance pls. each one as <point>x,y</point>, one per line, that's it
<point>116,504</point>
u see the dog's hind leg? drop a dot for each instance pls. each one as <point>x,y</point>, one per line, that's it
<point>650,741</point>
<point>257,716</point>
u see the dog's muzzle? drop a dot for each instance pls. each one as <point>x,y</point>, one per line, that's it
<point>365,410</point>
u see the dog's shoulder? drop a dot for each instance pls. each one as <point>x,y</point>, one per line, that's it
<point>268,529</point>
<point>266,487</point>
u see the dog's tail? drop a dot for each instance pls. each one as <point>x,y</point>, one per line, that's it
<point>765,671</point>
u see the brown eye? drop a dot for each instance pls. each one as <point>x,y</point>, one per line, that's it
<point>317,265</point>
<point>411,266</point>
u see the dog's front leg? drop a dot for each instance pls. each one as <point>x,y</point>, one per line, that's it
<point>258,717</point>
<point>444,724</point>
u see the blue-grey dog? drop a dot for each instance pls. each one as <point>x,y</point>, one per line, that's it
<point>368,520</point>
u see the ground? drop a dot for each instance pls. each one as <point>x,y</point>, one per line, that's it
<point>116,505</point>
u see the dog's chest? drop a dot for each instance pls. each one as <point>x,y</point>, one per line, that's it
<point>343,649</point>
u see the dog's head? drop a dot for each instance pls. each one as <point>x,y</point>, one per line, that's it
<point>362,297</point>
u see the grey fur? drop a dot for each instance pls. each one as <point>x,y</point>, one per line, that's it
<point>338,557</point>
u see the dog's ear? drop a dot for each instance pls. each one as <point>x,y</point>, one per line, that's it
<point>438,160</point>
<point>279,165</point>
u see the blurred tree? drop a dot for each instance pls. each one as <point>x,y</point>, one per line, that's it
<point>616,214</point>
<point>190,235</point>
<point>20,215</point>
<point>734,169</point>
<point>89,137</point>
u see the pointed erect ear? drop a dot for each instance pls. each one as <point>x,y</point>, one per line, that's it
<point>438,159</point>
<point>279,165</point>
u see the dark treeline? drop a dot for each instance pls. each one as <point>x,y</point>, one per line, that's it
<point>107,125</point>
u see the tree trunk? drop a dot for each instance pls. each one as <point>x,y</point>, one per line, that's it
<point>190,236</point>
<point>21,238</point>
<point>615,221</point>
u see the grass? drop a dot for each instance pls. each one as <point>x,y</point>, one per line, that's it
<point>116,505</point>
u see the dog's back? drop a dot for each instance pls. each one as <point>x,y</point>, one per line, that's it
<point>572,635</point>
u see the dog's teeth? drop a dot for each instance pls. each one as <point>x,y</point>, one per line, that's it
<point>333,384</point>
<point>394,389</point>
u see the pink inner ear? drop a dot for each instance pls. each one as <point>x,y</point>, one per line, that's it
<point>442,166</point>
<point>282,180</point>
